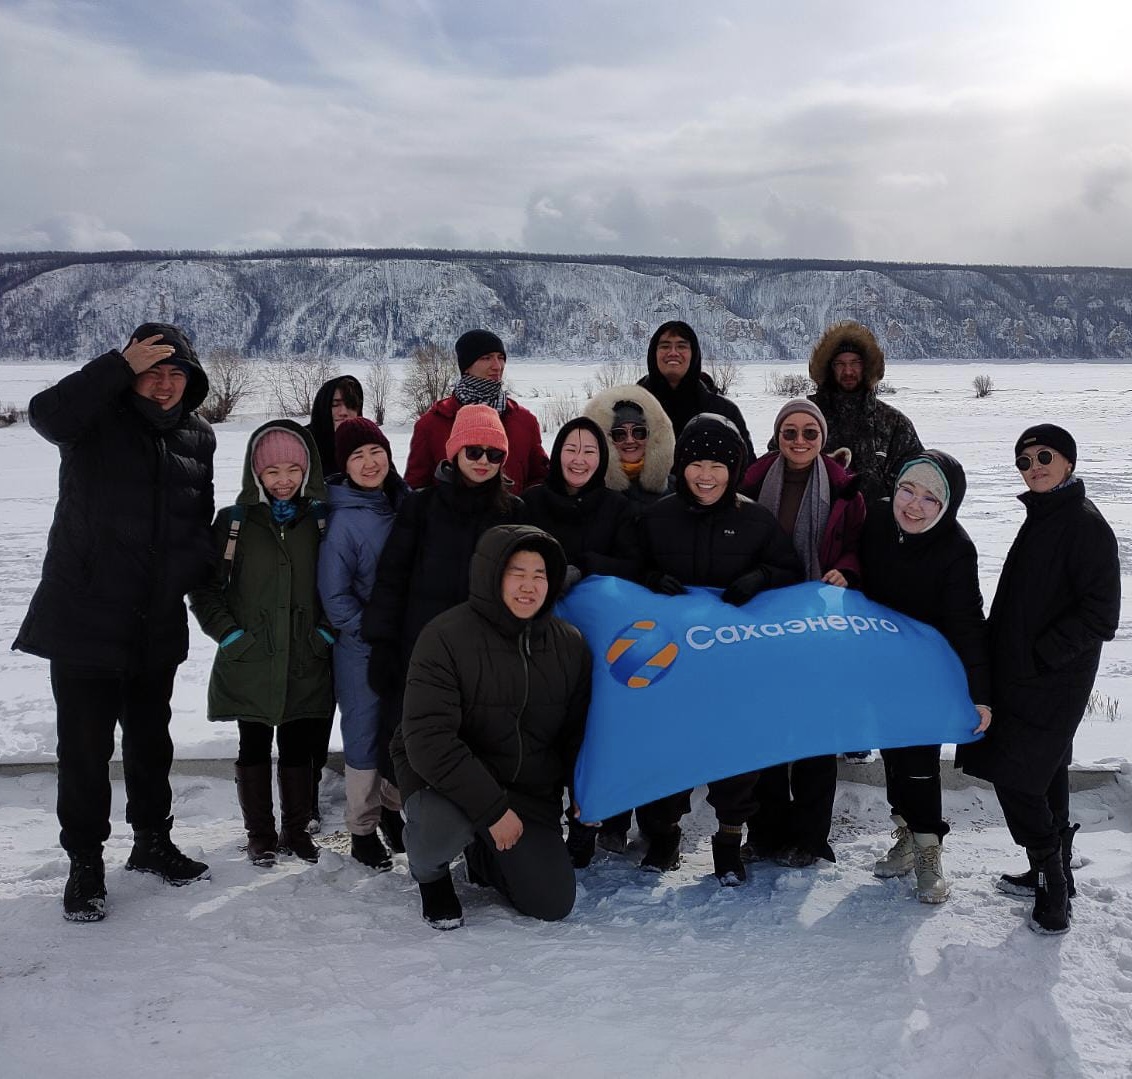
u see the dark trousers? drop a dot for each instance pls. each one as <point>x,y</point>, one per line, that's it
<point>911,774</point>
<point>1036,821</point>
<point>299,740</point>
<point>535,875</point>
<point>795,806</point>
<point>88,705</point>
<point>733,800</point>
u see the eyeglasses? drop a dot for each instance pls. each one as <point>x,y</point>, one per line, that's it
<point>494,456</point>
<point>1024,462</point>
<point>810,434</point>
<point>638,433</point>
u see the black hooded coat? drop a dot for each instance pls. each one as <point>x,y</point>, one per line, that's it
<point>495,705</point>
<point>321,426</point>
<point>593,526</point>
<point>933,576</point>
<point>131,532</point>
<point>695,393</point>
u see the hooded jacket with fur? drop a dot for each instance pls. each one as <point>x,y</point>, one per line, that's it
<point>879,436</point>
<point>655,479</point>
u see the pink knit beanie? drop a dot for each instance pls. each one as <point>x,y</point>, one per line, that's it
<point>476,425</point>
<point>279,447</point>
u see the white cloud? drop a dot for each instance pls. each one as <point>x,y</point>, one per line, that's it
<point>888,132</point>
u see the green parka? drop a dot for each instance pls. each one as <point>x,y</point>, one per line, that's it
<point>279,668</point>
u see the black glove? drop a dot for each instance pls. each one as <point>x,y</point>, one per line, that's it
<point>385,674</point>
<point>744,588</point>
<point>663,584</point>
<point>573,576</point>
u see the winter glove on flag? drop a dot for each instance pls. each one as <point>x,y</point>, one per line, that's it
<point>664,584</point>
<point>744,588</point>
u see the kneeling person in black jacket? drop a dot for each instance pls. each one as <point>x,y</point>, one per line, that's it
<point>495,708</point>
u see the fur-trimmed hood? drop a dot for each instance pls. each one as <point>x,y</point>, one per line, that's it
<point>847,336</point>
<point>662,440</point>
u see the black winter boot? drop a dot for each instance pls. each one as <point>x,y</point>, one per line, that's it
<point>1067,835</point>
<point>663,851</point>
<point>392,825</point>
<point>314,823</point>
<point>84,897</point>
<point>729,868</point>
<point>154,852</point>
<point>440,906</point>
<point>295,812</point>
<point>253,788</point>
<point>580,842</point>
<point>370,851</point>
<point>1050,915</point>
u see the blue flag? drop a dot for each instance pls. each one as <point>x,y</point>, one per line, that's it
<point>688,689</point>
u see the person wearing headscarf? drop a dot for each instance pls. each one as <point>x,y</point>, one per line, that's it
<point>918,560</point>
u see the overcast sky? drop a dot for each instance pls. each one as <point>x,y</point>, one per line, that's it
<point>989,132</point>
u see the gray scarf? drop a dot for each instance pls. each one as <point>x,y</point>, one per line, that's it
<point>470,390</point>
<point>813,513</point>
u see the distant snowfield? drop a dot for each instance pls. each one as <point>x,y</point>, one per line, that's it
<point>800,974</point>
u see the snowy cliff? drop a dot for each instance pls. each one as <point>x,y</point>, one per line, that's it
<point>366,304</point>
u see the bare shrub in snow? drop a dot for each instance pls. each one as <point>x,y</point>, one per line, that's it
<point>788,385</point>
<point>231,378</point>
<point>608,375</point>
<point>378,383</point>
<point>10,414</point>
<point>558,407</point>
<point>1103,706</point>
<point>724,373</point>
<point>432,370</point>
<point>293,381</point>
<point>984,386</point>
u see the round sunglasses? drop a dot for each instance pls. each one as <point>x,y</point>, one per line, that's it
<point>638,432</point>
<point>1024,462</point>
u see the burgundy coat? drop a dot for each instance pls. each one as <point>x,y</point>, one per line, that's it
<point>527,463</point>
<point>842,534</point>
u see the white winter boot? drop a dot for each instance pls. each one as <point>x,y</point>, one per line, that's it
<point>900,859</point>
<point>928,855</point>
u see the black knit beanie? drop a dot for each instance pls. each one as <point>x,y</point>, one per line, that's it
<point>474,344</point>
<point>710,437</point>
<point>1048,434</point>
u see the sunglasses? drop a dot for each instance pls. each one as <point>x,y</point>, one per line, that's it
<point>810,434</point>
<point>494,456</point>
<point>1024,462</point>
<point>638,433</point>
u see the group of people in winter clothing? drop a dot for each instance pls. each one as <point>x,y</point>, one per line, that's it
<point>423,609</point>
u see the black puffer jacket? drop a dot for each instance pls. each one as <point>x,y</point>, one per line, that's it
<point>695,393</point>
<point>131,530</point>
<point>1058,600</point>
<point>423,568</point>
<point>594,526</point>
<point>495,705</point>
<point>715,545</point>
<point>933,576</point>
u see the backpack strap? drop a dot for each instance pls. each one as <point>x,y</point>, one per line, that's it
<point>235,519</point>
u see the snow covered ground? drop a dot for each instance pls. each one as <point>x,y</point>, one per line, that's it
<point>800,973</point>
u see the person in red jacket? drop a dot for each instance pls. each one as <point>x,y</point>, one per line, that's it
<point>481,358</point>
